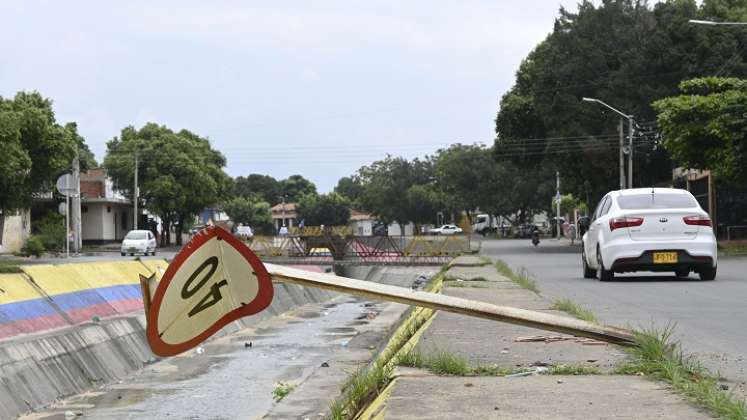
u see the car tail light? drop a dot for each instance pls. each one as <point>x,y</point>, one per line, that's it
<point>623,222</point>
<point>697,220</point>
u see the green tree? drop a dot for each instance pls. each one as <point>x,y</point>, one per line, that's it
<point>350,187</point>
<point>36,149</point>
<point>423,203</point>
<point>568,203</point>
<point>467,176</point>
<point>706,126</point>
<point>385,184</point>
<point>179,173</point>
<point>327,209</point>
<point>627,53</point>
<point>295,186</point>
<point>267,187</point>
<point>252,211</point>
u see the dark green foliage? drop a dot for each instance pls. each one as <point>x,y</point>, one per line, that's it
<point>33,246</point>
<point>36,149</point>
<point>385,184</point>
<point>251,211</point>
<point>626,53</point>
<point>705,127</point>
<point>350,187</point>
<point>327,209</point>
<point>294,187</point>
<point>264,186</point>
<point>179,172</point>
<point>51,232</point>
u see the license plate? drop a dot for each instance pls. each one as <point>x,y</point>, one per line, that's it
<point>665,258</point>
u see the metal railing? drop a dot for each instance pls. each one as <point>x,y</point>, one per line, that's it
<point>361,249</point>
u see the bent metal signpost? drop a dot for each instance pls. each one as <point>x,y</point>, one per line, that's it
<point>216,279</point>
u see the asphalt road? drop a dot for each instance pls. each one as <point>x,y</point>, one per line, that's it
<point>710,317</point>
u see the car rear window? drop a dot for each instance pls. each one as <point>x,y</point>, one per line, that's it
<point>656,201</point>
<point>135,235</point>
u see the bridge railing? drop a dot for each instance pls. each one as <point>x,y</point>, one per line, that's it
<point>350,247</point>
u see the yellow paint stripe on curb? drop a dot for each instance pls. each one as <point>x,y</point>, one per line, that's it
<point>377,408</point>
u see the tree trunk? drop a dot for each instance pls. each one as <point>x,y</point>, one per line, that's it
<point>401,229</point>
<point>165,231</point>
<point>179,230</point>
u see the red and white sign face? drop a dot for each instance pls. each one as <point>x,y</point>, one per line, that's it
<point>214,280</point>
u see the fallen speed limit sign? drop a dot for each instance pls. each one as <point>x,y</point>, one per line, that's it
<point>213,281</point>
<point>216,279</point>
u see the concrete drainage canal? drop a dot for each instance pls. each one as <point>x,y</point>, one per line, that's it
<point>288,363</point>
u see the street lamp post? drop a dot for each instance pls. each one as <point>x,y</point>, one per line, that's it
<point>630,142</point>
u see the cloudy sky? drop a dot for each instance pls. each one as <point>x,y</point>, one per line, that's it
<point>317,88</point>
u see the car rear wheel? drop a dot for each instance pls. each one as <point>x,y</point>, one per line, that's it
<point>602,274</point>
<point>707,274</point>
<point>124,254</point>
<point>589,273</point>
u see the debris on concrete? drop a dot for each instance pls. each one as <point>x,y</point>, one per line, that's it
<point>556,338</point>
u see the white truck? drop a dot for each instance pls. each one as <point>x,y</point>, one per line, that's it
<point>484,224</point>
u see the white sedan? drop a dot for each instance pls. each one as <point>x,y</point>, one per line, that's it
<point>140,242</point>
<point>446,230</point>
<point>649,229</point>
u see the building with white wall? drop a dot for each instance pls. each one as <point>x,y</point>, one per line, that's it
<point>106,214</point>
<point>15,228</point>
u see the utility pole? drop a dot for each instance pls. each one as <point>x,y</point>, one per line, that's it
<point>557,199</point>
<point>76,204</point>
<point>630,156</point>
<point>622,157</point>
<point>67,225</point>
<point>135,196</point>
<point>629,117</point>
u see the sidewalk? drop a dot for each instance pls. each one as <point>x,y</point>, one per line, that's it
<point>594,392</point>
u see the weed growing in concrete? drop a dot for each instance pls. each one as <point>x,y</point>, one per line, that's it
<point>566,305</point>
<point>573,370</point>
<point>411,359</point>
<point>522,278</point>
<point>444,363</point>
<point>361,387</point>
<point>485,260</point>
<point>658,356</point>
<point>282,389</point>
<point>454,283</point>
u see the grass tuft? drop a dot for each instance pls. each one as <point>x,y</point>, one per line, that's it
<point>444,363</point>
<point>522,278</point>
<point>573,370</point>
<point>659,356</point>
<point>282,389</point>
<point>566,305</point>
<point>364,385</point>
<point>485,260</point>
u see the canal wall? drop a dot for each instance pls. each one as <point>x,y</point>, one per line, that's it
<point>68,328</point>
